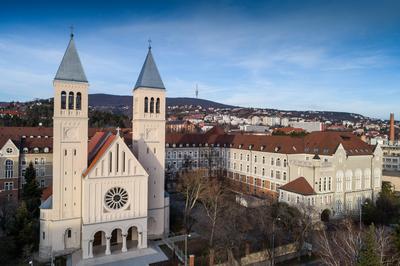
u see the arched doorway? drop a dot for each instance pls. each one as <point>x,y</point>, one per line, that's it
<point>325,215</point>
<point>132,239</point>
<point>99,243</point>
<point>116,240</point>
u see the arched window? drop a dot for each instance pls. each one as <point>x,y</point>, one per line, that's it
<point>78,101</point>
<point>158,106</point>
<point>152,105</point>
<point>9,170</point>
<point>146,105</point>
<point>71,100</point>
<point>63,99</point>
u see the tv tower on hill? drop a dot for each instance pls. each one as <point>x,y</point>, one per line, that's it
<point>197,92</point>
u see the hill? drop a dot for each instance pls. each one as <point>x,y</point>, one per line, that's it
<point>109,100</point>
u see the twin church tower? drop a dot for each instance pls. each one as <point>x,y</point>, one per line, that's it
<point>107,197</point>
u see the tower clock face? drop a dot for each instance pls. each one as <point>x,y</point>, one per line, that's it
<point>70,133</point>
<point>116,198</point>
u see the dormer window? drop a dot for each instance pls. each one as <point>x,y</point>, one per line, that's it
<point>46,149</point>
<point>174,145</point>
<point>187,144</point>
<point>180,145</point>
<point>167,145</point>
<point>36,150</point>
<point>25,150</point>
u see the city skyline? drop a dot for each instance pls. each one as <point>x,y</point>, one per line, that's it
<point>283,55</point>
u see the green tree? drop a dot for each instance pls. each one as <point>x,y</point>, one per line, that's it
<point>32,193</point>
<point>369,250</point>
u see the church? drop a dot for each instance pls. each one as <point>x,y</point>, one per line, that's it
<point>107,197</point>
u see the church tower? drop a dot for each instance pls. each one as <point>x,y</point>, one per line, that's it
<point>149,142</point>
<point>60,230</point>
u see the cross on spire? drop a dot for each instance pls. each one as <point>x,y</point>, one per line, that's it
<point>149,43</point>
<point>72,31</point>
<point>118,129</point>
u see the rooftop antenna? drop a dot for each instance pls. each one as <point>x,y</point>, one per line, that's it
<point>197,92</point>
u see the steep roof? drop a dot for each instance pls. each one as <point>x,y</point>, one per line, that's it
<point>149,77</point>
<point>71,68</point>
<point>98,145</point>
<point>299,186</point>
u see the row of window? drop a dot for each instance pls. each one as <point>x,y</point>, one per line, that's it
<point>146,105</point>
<point>276,174</point>
<point>257,182</point>
<point>73,102</point>
<point>276,162</point>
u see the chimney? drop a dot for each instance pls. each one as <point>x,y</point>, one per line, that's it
<point>391,132</point>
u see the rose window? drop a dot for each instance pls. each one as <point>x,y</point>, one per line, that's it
<point>116,198</point>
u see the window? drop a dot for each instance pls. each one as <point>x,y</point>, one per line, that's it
<point>43,235</point>
<point>255,159</point>
<point>152,105</point>
<point>9,150</point>
<point>329,183</point>
<point>255,170</point>
<point>158,105</point>
<point>36,160</point>
<point>377,177</point>
<point>284,175</point>
<point>358,174</point>
<point>278,175</point>
<point>247,169</point>
<point>69,232</point>
<point>248,157</point>
<point>63,99</point>
<point>272,173</point>
<point>110,162</point>
<point>241,156</point>
<point>278,162</point>
<point>9,170</point>
<point>42,160</point>
<point>8,185</point>
<point>42,183</point>
<point>263,172</point>
<point>367,178</point>
<point>146,105</point>
<point>284,163</point>
<point>349,176</point>
<point>78,101</point>
<point>339,181</point>
<point>263,159</point>
<point>272,161</point>
<point>71,100</point>
<point>46,150</point>
<point>324,183</point>
<point>320,184</point>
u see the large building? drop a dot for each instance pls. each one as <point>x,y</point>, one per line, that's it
<point>105,195</point>
<point>326,170</point>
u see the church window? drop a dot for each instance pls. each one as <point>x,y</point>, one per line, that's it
<point>71,100</point>
<point>110,161</point>
<point>123,161</point>
<point>78,101</point>
<point>74,152</point>
<point>116,198</point>
<point>152,105</point>
<point>158,105</point>
<point>63,99</point>
<point>9,171</point>
<point>148,150</point>
<point>69,233</point>
<point>43,235</point>
<point>154,150</point>
<point>65,152</point>
<point>146,105</point>
<point>117,157</point>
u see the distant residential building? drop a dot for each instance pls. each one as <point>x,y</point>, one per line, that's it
<point>180,126</point>
<point>253,128</point>
<point>310,126</point>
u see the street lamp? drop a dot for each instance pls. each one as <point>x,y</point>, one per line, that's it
<point>273,239</point>
<point>186,244</point>
<point>361,205</point>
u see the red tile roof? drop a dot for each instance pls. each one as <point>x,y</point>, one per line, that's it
<point>322,143</point>
<point>299,186</point>
<point>97,147</point>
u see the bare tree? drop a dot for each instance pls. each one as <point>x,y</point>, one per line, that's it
<point>191,184</point>
<point>212,200</point>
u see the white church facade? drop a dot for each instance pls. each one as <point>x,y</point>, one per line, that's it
<point>105,196</point>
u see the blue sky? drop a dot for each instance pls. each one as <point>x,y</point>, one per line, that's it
<point>296,55</point>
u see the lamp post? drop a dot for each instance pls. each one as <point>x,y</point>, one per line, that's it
<point>186,244</point>
<point>273,240</point>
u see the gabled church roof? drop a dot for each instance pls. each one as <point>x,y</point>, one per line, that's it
<point>71,68</point>
<point>149,77</point>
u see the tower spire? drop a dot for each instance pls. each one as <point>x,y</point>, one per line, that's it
<point>149,76</point>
